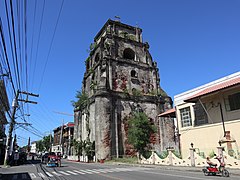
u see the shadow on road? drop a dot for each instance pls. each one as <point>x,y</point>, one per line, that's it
<point>18,176</point>
<point>33,162</point>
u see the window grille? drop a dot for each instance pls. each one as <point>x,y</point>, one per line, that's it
<point>186,117</point>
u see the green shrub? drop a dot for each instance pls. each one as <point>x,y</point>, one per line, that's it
<point>211,154</point>
<point>162,155</point>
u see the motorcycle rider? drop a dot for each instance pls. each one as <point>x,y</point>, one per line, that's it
<point>210,163</point>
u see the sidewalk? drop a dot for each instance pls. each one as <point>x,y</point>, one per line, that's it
<point>232,171</point>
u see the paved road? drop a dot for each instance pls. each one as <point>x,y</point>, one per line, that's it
<point>93,171</point>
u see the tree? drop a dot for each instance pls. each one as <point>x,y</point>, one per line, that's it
<point>83,104</point>
<point>89,149</point>
<point>39,146</point>
<point>139,132</point>
<point>85,147</point>
<point>78,147</point>
<point>44,144</point>
<point>82,100</point>
<point>47,142</point>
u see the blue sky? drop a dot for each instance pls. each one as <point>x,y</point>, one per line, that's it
<point>193,41</point>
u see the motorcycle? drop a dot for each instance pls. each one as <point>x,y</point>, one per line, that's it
<point>214,170</point>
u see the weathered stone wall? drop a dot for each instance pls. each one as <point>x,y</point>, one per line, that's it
<point>102,127</point>
<point>126,107</point>
<point>77,125</point>
<point>144,80</point>
<point>92,122</point>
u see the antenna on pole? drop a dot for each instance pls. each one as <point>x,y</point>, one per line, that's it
<point>63,113</point>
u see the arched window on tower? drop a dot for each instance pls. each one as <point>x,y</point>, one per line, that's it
<point>128,54</point>
<point>134,74</point>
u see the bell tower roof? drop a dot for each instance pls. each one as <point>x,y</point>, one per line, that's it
<point>116,23</point>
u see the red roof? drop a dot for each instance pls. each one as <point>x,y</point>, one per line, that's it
<point>170,112</point>
<point>70,124</point>
<point>214,88</point>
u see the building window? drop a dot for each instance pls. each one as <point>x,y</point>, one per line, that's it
<point>134,74</point>
<point>233,102</point>
<point>128,54</point>
<point>186,117</point>
<point>200,115</point>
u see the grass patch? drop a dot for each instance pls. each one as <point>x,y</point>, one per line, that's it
<point>130,160</point>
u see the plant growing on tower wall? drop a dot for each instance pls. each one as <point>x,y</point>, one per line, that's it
<point>139,132</point>
<point>82,100</point>
<point>83,104</point>
<point>93,85</point>
<point>78,147</point>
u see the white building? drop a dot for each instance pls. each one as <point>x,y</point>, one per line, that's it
<point>209,116</point>
<point>33,147</point>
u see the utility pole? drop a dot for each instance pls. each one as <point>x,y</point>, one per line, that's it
<point>12,121</point>
<point>50,150</point>
<point>61,137</point>
<point>28,147</point>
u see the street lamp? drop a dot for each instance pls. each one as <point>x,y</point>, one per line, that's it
<point>191,145</point>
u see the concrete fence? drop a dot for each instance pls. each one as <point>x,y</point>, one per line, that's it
<point>80,158</point>
<point>192,160</point>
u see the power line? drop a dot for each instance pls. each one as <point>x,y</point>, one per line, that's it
<point>5,49</point>
<point>51,44</point>
<point>38,39</point>
<point>15,48</point>
<point>6,56</point>
<point>34,20</point>
<point>16,56</point>
<point>36,134</point>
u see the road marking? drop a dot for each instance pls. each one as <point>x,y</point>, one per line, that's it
<point>56,173</point>
<point>32,175</point>
<point>49,174</point>
<point>79,172</point>
<point>85,171</point>
<point>41,175</point>
<point>92,170</point>
<point>72,172</point>
<point>101,170</point>
<point>64,173</point>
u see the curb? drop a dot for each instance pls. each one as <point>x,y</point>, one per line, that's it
<point>235,172</point>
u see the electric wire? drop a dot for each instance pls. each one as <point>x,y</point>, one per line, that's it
<point>55,28</point>
<point>6,56</point>
<point>26,129</point>
<point>38,40</point>
<point>33,27</point>
<point>5,49</point>
<point>15,48</point>
<point>20,56</point>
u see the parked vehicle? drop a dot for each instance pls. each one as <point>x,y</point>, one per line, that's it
<point>44,158</point>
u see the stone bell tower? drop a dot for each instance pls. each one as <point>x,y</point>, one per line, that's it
<point>120,78</point>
